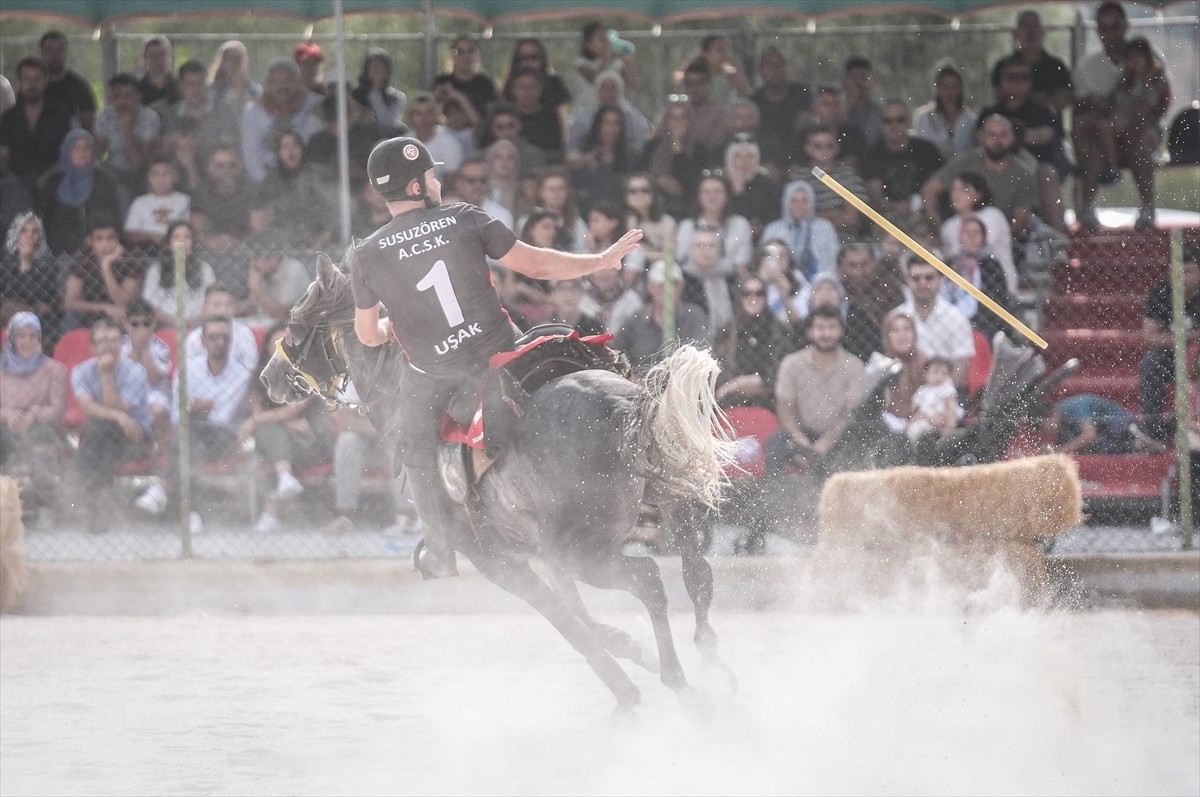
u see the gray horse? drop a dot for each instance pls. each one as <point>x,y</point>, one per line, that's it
<point>568,487</point>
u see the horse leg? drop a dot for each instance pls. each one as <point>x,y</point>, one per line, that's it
<point>519,579</point>
<point>614,640</point>
<point>640,576</point>
<point>698,581</point>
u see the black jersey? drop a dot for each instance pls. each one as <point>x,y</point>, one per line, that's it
<point>429,268</point>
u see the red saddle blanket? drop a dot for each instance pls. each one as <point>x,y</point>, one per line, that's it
<point>473,434</point>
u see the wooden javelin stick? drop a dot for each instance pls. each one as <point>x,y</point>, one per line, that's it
<point>928,257</point>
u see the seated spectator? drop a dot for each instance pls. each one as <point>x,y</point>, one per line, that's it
<point>276,281</point>
<point>554,194</point>
<point>73,192</point>
<point>66,86</point>
<point>127,133</point>
<point>703,264</point>
<point>942,329</point>
<point>1157,371</point>
<point>867,285</point>
<point>900,344</point>
<point>862,110</point>
<point>605,226</point>
<point>541,121</point>
<point>365,132</point>
<point>464,75</point>
<point>1011,183</point>
<point>897,167</point>
<point>749,349</point>
<point>972,260</point>
<point>971,198</point>
<point>566,297</point>
<point>226,209</point>
<point>860,332</point>
<point>286,436</point>
<point>183,145</point>
<point>229,74</point>
<point>816,390</point>
<point>674,158</point>
<point>150,214</point>
<point>33,398</point>
<point>424,117</point>
<point>1051,75</point>
<point>359,449</point>
<point>528,296</point>
<point>754,194</point>
<point>375,90</point>
<point>785,284</point>
<point>504,169</point>
<point>113,393</point>
<point>157,85</point>
<point>503,122</point>
<point>219,301</point>
<point>713,213</point>
<point>780,102</point>
<point>642,336</point>
<point>459,119</point>
<point>14,197</point>
<point>644,211</point>
<point>709,126</point>
<point>101,280</point>
<point>811,240</point>
<point>1140,102</point>
<point>285,105</point>
<point>213,122</point>
<point>159,288</point>
<point>296,198</point>
<point>935,402</point>
<point>217,387</point>
<point>821,148</point>
<point>530,53</point>
<point>729,82</point>
<point>829,111</point>
<point>33,129</point>
<point>598,54</point>
<point>309,58</point>
<point>609,300</point>
<point>610,90</point>
<point>1089,424</point>
<point>1039,133</point>
<point>598,169</point>
<point>946,122</point>
<point>29,276</point>
<point>473,183</point>
<point>142,346</point>
<point>8,98</point>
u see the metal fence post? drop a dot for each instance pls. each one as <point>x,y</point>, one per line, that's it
<point>185,488</point>
<point>1179,335</point>
<point>668,289</point>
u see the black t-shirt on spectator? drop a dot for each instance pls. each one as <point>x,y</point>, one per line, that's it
<point>66,225</point>
<point>33,151</point>
<point>903,173</point>
<point>1049,74</point>
<point>73,91</point>
<point>168,93</point>
<point>480,89</point>
<point>1158,306</point>
<point>227,214</point>
<point>777,122</point>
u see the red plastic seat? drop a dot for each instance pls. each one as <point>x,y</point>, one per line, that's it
<point>981,364</point>
<point>72,349</point>
<point>750,427</point>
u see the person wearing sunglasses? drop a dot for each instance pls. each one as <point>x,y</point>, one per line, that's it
<point>464,76</point>
<point>896,167</point>
<point>142,346</point>
<point>749,348</point>
<point>942,329</point>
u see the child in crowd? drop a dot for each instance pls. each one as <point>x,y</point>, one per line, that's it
<point>150,214</point>
<point>935,403</point>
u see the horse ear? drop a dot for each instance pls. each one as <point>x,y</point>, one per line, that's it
<point>327,272</point>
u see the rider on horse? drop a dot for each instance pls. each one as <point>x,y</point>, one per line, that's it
<point>429,268</point>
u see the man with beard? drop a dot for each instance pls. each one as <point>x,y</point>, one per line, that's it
<point>32,131</point>
<point>1012,184</point>
<point>816,390</point>
<point>67,86</point>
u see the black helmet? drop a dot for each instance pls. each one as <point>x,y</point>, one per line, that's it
<point>395,163</point>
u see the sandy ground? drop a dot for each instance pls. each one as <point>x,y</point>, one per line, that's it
<point>903,699</point>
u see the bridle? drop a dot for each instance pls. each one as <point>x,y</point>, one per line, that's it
<point>325,376</point>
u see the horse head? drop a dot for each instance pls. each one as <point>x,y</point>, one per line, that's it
<point>309,359</point>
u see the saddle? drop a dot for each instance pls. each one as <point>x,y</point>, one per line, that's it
<point>544,353</point>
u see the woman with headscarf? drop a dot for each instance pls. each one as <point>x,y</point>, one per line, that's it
<point>375,89</point>
<point>812,240</point>
<point>860,333</point>
<point>297,204</point>
<point>33,398</point>
<point>29,274</point>
<point>73,191</point>
<point>750,347</point>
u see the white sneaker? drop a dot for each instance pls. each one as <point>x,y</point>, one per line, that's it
<point>288,486</point>
<point>267,524</point>
<point>195,523</point>
<point>153,501</point>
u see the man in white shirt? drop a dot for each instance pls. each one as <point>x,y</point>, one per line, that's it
<point>220,301</point>
<point>942,329</point>
<point>473,183</point>
<point>276,281</point>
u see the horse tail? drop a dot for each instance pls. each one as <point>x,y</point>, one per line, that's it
<point>676,430</point>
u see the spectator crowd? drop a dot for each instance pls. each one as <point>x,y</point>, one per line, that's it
<point>792,287</point>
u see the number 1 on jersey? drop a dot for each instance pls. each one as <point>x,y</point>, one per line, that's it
<point>438,278</point>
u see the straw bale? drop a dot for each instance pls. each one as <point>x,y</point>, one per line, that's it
<point>13,573</point>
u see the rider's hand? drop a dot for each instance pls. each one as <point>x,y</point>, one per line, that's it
<point>613,255</point>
